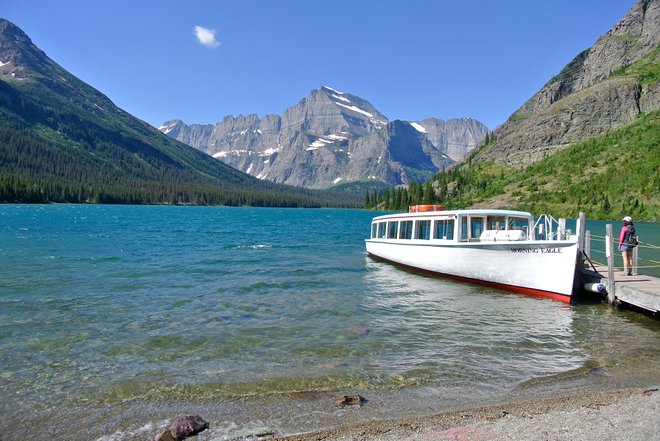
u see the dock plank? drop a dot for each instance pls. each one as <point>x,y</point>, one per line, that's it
<point>639,290</point>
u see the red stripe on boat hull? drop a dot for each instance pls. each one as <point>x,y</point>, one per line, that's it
<point>517,289</point>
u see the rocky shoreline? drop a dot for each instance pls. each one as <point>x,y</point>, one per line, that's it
<point>620,401</point>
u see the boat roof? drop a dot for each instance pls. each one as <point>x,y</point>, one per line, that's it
<point>454,213</point>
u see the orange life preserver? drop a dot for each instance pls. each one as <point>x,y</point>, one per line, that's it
<point>423,208</point>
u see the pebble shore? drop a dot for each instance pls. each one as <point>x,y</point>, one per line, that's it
<point>622,414</point>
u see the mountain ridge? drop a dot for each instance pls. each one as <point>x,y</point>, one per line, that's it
<point>323,140</point>
<point>600,98</point>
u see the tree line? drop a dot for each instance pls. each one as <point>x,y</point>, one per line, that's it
<point>400,198</point>
<point>33,170</point>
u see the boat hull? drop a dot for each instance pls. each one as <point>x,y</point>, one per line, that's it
<point>539,268</point>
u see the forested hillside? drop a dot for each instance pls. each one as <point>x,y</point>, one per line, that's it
<point>606,177</point>
<point>63,141</point>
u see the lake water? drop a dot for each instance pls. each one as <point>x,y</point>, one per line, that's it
<point>114,319</point>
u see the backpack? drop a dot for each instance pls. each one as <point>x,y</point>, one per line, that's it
<point>632,238</point>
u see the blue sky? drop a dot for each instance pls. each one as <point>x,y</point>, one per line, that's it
<point>200,60</point>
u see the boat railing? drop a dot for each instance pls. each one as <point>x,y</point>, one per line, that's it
<point>549,228</point>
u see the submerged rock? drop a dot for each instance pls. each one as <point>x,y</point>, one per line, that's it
<point>350,400</point>
<point>183,427</point>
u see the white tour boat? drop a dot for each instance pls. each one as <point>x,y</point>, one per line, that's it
<point>502,248</point>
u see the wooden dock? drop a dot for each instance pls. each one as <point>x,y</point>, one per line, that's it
<point>639,290</point>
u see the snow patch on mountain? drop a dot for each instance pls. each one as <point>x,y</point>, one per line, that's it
<point>336,137</point>
<point>271,151</point>
<point>167,128</point>
<point>418,127</point>
<point>341,98</point>
<point>325,140</point>
<point>356,109</point>
<point>239,153</point>
<point>333,90</point>
<point>315,145</point>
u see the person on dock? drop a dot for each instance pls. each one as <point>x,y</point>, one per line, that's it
<point>627,231</point>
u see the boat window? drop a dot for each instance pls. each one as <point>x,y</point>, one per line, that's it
<point>406,230</point>
<point>392,228</point>
<point>439,232</point>
<point>495,223</point>
<point>449,229</point>
<point>476,227</point>
<point>374,230</point>
<point>423,230</point>
<point>464,228</point>
<point>444,229</point>
<point>518,223</point>
<point>382,228</point>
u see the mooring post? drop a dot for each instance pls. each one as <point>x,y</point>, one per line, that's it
<point>579,231</point>
<point>635,256</point>
<point>609,252</point>
<point>587,243</point>
<point>579,227</point>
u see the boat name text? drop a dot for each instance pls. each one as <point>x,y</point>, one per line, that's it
<point>536,250</point>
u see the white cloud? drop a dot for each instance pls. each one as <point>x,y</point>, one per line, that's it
<point>206,37</point>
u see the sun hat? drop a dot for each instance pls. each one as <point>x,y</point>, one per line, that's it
<point>627,219</point>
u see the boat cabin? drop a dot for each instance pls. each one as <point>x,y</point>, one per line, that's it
<point>457,226</point>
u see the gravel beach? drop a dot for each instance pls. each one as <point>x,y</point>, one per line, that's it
<point>622,414</point>
<point>620,402</point>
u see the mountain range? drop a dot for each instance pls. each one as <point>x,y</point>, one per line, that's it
<point>587,140</point>
<point>333,138</point>
<point>61,140</point>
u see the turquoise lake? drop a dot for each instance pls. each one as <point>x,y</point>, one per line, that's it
<point>114,318</point>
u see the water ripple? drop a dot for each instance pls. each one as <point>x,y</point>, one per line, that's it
<point>103,305</point>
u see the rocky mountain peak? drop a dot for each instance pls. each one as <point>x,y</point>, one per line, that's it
<point>326,111</point>
<point>332,137</point>
<point>589,96</point>
<point>21,60</point>
<point>12,37</point>
<point>633,37</point>
<point>18,55</point>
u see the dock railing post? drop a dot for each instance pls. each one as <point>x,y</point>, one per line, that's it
<point>587,243</point>
<point>609,251</point>
<point>579,230</point>
<point>635,257</point>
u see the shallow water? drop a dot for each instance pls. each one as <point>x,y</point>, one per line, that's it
<point>115,318</point>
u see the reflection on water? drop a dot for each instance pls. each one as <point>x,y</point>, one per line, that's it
<point>498,339</point>
<point>468,332</point>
